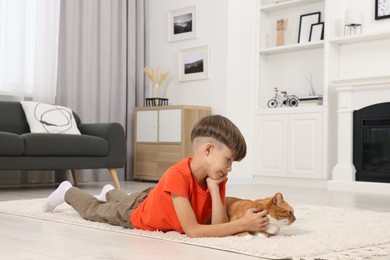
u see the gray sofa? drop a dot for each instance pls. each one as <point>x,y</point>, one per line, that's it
<point>100,145</point>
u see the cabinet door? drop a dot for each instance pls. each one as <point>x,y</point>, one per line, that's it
<point>147,123</point>
<point>271,146</point>
<point>305,145</point>
<point>170,125</point>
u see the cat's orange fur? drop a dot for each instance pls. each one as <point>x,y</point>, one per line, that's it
<point>280,213</point>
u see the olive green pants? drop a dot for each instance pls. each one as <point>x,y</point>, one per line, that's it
<point>115,211</point>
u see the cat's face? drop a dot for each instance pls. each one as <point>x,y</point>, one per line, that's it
<point>280,213</point>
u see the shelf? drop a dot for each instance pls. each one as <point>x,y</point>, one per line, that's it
<point>361,38</point>
<point>292,47</point>
<point>287,4</point>
<point>291,110</point>
<point>358,81</point>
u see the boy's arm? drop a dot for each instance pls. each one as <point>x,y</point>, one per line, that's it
<point>252,221</point>
<point>218,210</point>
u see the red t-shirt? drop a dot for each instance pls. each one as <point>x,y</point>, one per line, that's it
<point>157,212</point>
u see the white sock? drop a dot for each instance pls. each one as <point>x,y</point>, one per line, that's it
<point>57,197</point>
<point>102,195</point>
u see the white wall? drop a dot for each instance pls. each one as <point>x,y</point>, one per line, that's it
<point>213,19</point>
<point>227,27</point>
<point>241,81</point>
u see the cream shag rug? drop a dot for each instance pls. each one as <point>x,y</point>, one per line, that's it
<point>318,233</point>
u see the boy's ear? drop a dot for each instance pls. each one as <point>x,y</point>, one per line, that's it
<point>208,147</point>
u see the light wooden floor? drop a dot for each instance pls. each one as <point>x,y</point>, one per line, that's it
<point>25,238</point>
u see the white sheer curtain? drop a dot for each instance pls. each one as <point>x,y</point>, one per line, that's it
<point>29,49</point>
<point>29,32</point>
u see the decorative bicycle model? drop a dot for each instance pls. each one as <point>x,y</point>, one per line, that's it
<point>283,99</point>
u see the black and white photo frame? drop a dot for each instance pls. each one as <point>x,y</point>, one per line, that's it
<point>183,23</point>
<point>305,23</point>
<point>316,32</point>
<point>382,9</point>
<point>194,63</point>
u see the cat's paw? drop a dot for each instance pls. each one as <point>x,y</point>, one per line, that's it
<point>248,237</point>
<point>245,235</point>
<point>264,234</point>
<point>272,229</point>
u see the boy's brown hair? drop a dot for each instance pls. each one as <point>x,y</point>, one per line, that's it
<point>224,131</point>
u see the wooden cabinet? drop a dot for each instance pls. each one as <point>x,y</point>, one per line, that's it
<point>163,137</point>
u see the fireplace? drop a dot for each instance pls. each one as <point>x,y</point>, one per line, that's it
<point>371,143</point>
<point>354,96</point>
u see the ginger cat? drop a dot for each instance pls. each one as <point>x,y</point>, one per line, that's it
<point>280,213</point>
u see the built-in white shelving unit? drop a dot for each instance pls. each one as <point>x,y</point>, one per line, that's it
<point>294,142</point>
<point>364,37</point>
<point>292,48</point>
<point>289,140</point>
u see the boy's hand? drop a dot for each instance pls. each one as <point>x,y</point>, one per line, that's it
<point>255,220</point>
<point>211,182</point>
<point>212,185</point>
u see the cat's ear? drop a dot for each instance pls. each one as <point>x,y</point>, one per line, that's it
<point>278,198</point>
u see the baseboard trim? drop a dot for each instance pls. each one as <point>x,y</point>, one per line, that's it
<point>240,181</point>
<point>360,186</point>
<point>291,182</point>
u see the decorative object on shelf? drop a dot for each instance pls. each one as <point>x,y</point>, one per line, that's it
<point>305,23</point>
<point>277,1</point>
<point>310,81</point>
<point>316,32</point>
<point>280,28</point>
<point>382,9</point>
<point>157,78</point>
<point>194,63</point>
<point>152,102</point>
<point>183,23</point>
<point>353,20</point>
<point>282,99</point>
<point>310,100</point>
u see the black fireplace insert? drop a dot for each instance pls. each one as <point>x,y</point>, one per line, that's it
<point>371,143</point>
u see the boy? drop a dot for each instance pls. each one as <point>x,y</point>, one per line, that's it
<point>189,198</point>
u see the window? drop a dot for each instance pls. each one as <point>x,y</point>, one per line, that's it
<point>29,48</point>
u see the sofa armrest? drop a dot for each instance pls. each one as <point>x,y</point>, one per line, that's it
<point>115,135</point>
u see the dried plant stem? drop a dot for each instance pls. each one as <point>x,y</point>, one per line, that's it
<point>157,78</point>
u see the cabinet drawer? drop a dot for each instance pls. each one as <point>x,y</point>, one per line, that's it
<point>167,156</point>
<point>146,161</point>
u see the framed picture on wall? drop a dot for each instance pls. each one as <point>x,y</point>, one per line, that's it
<point>305,23</point>
<point>194,63</point>
<point>316,32</point>
<point>183,23</point>
<point>382,9</point>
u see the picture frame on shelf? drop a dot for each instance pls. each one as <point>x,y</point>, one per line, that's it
<point>316,32</point>
<point>382,9</point>
<point>183,23</point>
<point>305,22</point>
<point>194,63</point>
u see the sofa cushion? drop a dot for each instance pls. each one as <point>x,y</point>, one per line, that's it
<point>12,118</point>
<point>64,145</point>
<point>11,144</point>
<point>47,118</point>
